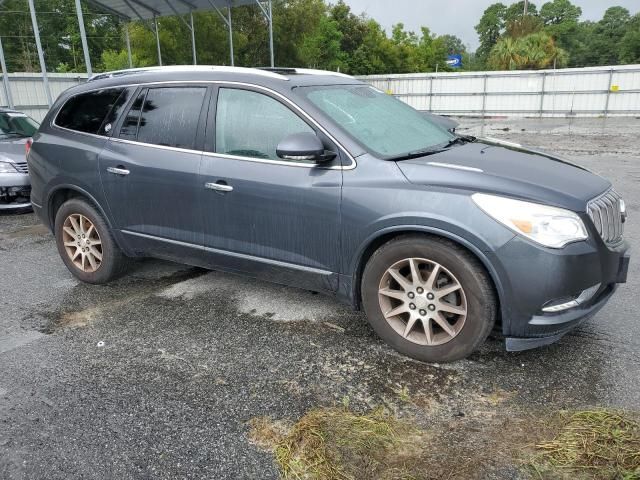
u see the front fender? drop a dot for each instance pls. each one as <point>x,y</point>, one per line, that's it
<point>481,247</point>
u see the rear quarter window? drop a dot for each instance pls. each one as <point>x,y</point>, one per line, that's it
<point>87,112</point>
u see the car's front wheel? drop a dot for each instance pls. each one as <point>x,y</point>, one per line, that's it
<point>85,243</point>
<point>428,298</point>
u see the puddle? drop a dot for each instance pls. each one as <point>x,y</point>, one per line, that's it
<point>255,297</point>
<point>85,304</point>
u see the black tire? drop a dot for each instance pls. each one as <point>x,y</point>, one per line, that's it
<point>481,300</point>
<point>114,263</point>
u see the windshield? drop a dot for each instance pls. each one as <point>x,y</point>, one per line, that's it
<point>17,125</point>
<point>384,125</point>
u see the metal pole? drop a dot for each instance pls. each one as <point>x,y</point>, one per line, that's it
<point>430,93</point>
<point>128,40</point>
<point>230,33</point>
<point>5,77</point>
<point>271,34</point>
<point>155,23</point>
<point>484,95</point>
<point>606,105</point>
<point>193,40</point>
<point>83,38</point>
<point>544,79</point>
<point>43,66</point>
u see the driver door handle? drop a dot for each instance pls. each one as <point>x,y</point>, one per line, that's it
<point>118,170</point>
<point>219,187</point>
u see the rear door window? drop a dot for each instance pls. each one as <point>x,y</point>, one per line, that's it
<point>129,128</point>
<point>87,112</point>
<point>166,116</point>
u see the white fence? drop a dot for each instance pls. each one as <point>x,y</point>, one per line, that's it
<point>596,91</point>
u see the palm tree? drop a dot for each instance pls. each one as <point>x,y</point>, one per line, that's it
<point>505,55</point>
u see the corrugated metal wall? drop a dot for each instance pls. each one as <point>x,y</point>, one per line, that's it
<point>576,91</point>
<point>28,93</point>
<point>581,91</point>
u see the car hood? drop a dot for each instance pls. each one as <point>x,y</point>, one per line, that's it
<point>507,169</point>
<point>13,150</point>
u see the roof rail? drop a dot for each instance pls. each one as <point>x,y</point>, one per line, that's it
<point>303,71</point>
<point>187,68</point>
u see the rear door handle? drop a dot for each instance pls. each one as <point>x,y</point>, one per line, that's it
<point>118,171</point>
<point>219,187</point>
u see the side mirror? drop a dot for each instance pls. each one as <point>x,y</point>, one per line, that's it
<point>303,146</point>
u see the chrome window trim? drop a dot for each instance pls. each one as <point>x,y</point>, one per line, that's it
<point>153,145</point>
<point>288,101</point>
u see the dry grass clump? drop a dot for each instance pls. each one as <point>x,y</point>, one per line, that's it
<point>336,443</point>
<point>598,444</point>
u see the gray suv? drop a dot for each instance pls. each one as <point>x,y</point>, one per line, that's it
<point>317,180</point>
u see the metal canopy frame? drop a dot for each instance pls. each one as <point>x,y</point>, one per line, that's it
<point>144,10</point>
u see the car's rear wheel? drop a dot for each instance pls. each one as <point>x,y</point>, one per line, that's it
<point>428,298</point>
<point>85,243</point>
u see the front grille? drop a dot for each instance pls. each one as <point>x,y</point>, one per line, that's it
<point>22,167</point>
<point>606,214</point>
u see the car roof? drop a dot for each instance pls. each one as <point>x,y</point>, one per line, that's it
<point>275,78</point>
<point>9,110</point>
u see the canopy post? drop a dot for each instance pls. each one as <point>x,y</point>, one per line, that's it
<point>193,38</point>
<point>83,38</point>
<point>43,66</point>
<point>271,33</point>
<point>230,25</point>
<point>155,23</point>
<point>128,40</point>
<point>5,77</point>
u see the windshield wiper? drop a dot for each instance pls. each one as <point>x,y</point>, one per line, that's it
<point>459,139</point>
<point>416,154</point>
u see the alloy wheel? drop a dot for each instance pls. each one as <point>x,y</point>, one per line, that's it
<point>82,242</point>
<point>422,301</point>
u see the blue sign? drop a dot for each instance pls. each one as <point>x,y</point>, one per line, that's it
<point>454,61</point>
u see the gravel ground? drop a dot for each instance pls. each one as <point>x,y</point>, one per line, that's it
<point>157,375</point>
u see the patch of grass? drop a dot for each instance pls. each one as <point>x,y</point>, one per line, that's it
<point>597,444</point>
<point>336,443</point>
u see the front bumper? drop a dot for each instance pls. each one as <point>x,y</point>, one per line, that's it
<point>536,276</point>
<point>15,191</point>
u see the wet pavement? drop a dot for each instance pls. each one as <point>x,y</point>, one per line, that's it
<point>157,374</point>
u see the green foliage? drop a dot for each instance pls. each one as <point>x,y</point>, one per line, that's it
<point>558,12</point>
<point>490,28</point>
<point>533,51</point>
<point>555,35</point>
<point>630,43</point>
<point>317,34</point>
<point>453,44</point>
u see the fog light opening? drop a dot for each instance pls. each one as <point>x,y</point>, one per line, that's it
<point>585,296</point>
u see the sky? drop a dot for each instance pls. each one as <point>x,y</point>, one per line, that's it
<point>458,17</point>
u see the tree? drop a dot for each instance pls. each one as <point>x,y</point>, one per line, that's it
<point>534,51</point>
<point>523,26</point>
<point>630,43</point>
<point>516,10</point>
<point>321,49</point>
<point>489,29</point>
<point>558,12</point>
<point>453,44</point>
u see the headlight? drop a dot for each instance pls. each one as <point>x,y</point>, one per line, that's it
<point>6,167</point>
<point>549,226</point>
